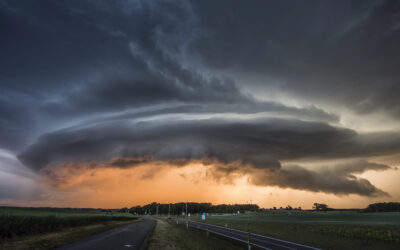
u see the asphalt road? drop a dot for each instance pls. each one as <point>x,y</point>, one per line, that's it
<point>126,237</point>
<point>256,240</point>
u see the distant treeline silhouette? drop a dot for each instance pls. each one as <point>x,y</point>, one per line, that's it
<point>192,207</point>
<point>383,207</point>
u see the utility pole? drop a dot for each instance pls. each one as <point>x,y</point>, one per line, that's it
<point>169,210</point>
<point>187,225</point>
<point>157,208</point>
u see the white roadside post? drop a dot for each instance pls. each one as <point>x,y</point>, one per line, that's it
<point>248,236</point>
<point>248,241</point>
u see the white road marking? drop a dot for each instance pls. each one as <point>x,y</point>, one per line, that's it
<point>128,245</point>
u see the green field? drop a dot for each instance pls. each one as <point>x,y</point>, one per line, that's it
<point>320,218</point>
<point>22,226</point>
<point>330,230</point>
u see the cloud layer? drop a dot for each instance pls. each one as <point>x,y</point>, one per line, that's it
<point>249,144</point>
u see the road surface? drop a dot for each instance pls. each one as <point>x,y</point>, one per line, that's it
<point>256,240</point>
<point>126,237</point>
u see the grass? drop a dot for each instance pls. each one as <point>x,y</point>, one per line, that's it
<point>56,239</point>
<point>332,230</point>
<point>168,235</point>
<point>37,228</point>
<point>320,218</point>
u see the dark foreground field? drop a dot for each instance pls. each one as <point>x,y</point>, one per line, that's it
<point>331,230</point>
<point>33,228</point>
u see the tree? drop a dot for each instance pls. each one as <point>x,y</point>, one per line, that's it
<point>124,210</point>
<point>320,207</point>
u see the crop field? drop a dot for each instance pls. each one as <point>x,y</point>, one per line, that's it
<point>330,230</point>
<point>55,211</point>
<point>29,221</point>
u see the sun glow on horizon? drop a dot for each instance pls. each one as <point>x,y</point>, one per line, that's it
<point>106,187</point>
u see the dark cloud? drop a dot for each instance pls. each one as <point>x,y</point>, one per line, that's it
<point>120,94</point>
<point>124,162</point>
<point>227,140</point>
<point>337,181</point>
<point>341,53</point>
<point>261,144</point>
<point>356,167</point>
<point>16,122</point>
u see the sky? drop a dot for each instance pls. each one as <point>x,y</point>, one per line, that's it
<point>121,103</point>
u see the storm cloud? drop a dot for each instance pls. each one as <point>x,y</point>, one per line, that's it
<point>339,179</point>
<point>254,143</point>
<point>249,88</point>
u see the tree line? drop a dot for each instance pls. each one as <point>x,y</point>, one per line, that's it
<point>374,207</point>
<point>192,207</point>
<point>383,207</point>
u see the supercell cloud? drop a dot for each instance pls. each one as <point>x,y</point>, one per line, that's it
<point>271,90</point>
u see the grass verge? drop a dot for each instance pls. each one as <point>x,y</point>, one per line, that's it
<point>146,241</point>
<point>62,237</point>
<point>167,235</point>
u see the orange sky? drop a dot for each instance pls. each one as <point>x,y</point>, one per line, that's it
<point>119,187</point>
